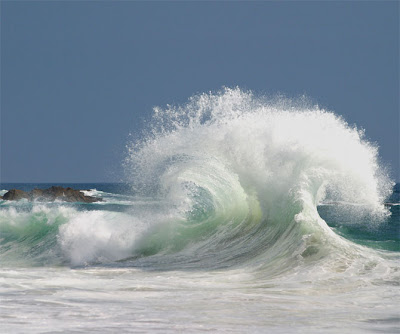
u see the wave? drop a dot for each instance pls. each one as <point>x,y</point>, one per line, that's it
<point>244,176</point>
<point>63,235</point>
<point>228,179</point>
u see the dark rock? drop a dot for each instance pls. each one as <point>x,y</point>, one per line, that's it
<point>15,194</point>
<point>51,194</point>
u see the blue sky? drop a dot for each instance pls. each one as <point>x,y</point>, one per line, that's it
<point>78,77</point>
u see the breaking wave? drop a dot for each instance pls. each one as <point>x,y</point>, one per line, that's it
<point>243,176</point>
<point>228,179</point>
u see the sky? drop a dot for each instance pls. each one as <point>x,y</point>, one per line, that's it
<point>77,77</point>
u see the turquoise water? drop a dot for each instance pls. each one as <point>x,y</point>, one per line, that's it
<point>364,230</point>
<point>361,229</point>
<point>47,286</point>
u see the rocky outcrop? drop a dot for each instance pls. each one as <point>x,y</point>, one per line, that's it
<point>50,194</point>
<point>15,194</point>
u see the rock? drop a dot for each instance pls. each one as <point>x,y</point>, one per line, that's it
<point>36,193</point>
<point>50,194</point>
<point>15,194</point>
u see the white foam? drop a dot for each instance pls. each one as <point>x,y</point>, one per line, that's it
<point>98,236</point>
<point>281,150</point>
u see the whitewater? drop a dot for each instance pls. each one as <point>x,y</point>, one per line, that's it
<point>239,213</point>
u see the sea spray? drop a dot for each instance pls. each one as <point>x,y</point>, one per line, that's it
<point>269,144</point>
<point>271,159</point>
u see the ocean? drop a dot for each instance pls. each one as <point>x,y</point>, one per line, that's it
<point>237,214</point>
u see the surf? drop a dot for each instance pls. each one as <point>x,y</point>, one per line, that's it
<point>228,180</point>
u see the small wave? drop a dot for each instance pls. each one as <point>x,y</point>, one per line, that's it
<point>54,235</point>
<point>93,192</point>
<point>110,198</point>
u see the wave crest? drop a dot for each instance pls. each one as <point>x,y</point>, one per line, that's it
<point>255,162</point>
